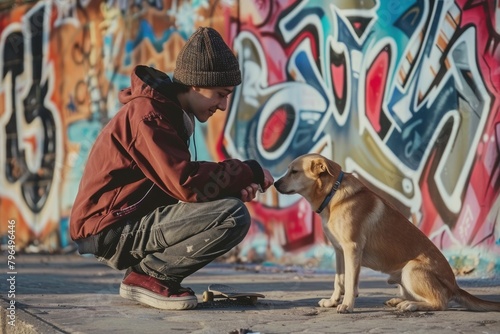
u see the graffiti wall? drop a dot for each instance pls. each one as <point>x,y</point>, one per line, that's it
<point>405,94</point>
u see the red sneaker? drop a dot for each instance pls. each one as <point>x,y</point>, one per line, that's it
<point>153,292</point>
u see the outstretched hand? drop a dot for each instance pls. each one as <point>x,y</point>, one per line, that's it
<point>268,180</point>
<point>249,193</point>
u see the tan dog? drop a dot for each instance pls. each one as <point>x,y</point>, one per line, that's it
<point>367,231</point>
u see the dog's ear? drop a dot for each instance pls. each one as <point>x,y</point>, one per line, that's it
<point>331,167</point>
<point>318,167</point>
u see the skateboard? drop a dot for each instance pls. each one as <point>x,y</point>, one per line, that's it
<point>221,291</point>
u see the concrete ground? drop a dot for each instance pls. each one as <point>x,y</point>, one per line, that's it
<point>75,294</point>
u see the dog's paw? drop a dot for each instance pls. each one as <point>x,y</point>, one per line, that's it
<point>393,302</point>
<point>407,306</point>
<point>343,308</point>
<point>327,303</point>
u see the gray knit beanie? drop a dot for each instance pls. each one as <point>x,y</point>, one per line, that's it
<point>206,60</point>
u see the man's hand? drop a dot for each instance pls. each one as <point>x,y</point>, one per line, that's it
<point>268,180</point>
<point>249,193</point>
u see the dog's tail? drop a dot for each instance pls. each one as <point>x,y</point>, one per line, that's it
<point>473,303</point>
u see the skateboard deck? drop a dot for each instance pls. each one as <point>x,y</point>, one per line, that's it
<point>218,291</point>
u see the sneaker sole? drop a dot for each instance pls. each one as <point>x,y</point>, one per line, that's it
<point>152,299</point>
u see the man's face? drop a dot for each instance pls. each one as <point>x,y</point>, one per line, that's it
<point>205,101</point>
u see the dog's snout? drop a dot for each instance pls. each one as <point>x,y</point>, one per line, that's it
<point>279,185</point>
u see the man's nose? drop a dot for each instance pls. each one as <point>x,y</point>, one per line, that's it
<point>222,104</point>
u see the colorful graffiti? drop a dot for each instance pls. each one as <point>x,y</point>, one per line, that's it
<point>404,94</point>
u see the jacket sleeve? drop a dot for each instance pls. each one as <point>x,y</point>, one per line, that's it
<point>164,157</point>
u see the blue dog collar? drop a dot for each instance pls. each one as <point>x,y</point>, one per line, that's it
<point>332,192</point>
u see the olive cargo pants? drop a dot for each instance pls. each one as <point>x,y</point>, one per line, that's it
<point>174,241</point>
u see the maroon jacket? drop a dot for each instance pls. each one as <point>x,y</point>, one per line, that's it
<point>141,161</point>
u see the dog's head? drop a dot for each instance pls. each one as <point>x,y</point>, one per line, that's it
<point>310,175</point>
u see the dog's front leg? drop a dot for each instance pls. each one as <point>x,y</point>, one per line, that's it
<point>338,286</point>
<point>352,262</point>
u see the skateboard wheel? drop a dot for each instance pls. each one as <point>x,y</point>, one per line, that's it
<point>253,300</point>
<point>208,296</point>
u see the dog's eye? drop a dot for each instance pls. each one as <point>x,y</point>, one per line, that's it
<point>293,171</point>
